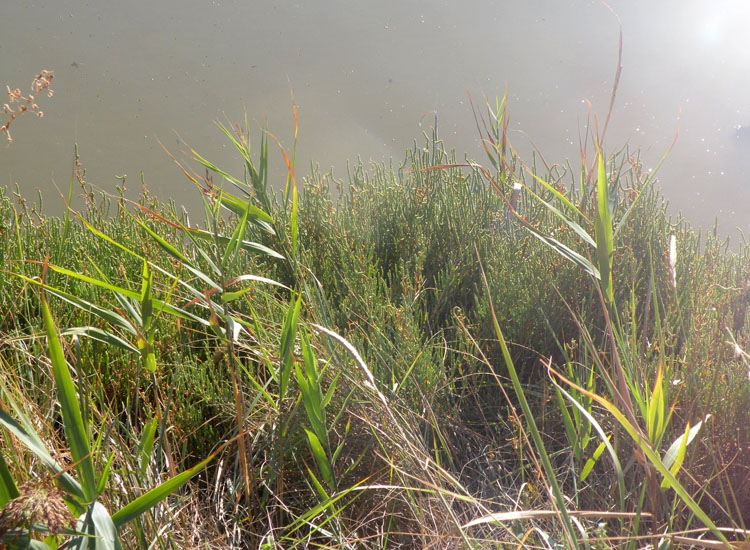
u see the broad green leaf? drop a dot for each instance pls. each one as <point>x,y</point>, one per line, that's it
<point>591,462</point>
<point>74,427</point>
<point>655,420</point>
<point>320,457</point>
<point>675,455</point>
<point>146,446</point>
<point>97,522</point>
<point>8,489</point>
<point>156,495</point>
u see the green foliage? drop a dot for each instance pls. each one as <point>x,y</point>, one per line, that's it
<point>344,340</point>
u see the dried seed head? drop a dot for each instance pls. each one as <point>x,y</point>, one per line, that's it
<point>38,503</point>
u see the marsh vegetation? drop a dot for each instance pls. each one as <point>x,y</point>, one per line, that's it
<point>441,353</point>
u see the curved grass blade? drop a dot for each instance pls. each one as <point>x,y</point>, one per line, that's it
<point>566,252</point>
<point>28,436</point>
<point>605,440</point>
<point>160,304</point>
<point>101,336</point>
<point>106,314</point>
<point>99,531</point>
<point>172,251</point>
<point>156,495</point>
<point>570,222</point>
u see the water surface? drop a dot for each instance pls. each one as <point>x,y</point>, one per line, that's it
<point>367,75</point>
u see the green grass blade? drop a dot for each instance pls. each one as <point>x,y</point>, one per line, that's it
<point>562,198</point>
<point>211,166</point>
<point>655,418</point>
<point>557,494</point>
<point>326,471</point>
<point>675,455</point>
<point>160,304</point>
<point>96,282</point>
<point>146,446</point>
<point>237,237</point>
<point>108,239</point>
<point>147,307</point>
<point>605,440</point>
<point>250,246</point>
<point>655,460</point>
<point>156,495</point>
<point>101,336</point>
<point>106,314</point>
<point>179,256</point>
<point>566,252</point>
<point>570,222</point>
<point>75,430</point>
<point>591,462</point>
<point>318,486</point>
<point>8,489</point>
<point>104,476</point>
<point>604,236</point>
<point>26,434</point>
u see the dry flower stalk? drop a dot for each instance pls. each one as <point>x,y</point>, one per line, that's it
<point>24,104</point>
